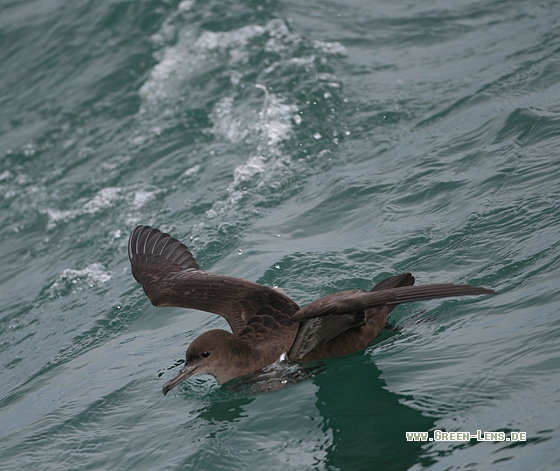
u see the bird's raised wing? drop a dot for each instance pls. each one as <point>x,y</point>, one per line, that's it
<point>170,276</point>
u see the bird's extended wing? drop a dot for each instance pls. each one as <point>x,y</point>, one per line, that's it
<point>345,302</point>
<point>317,331</point>
<point>170,276</point>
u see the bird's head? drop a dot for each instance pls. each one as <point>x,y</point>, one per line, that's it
<point>214,353</point>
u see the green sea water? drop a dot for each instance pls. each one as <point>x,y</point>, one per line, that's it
<point>315,146</point>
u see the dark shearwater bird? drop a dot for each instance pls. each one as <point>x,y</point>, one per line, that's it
<point>265,323</point>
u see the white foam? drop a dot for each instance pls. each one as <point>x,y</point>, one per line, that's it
<point>273,125</point>
<point>55,216</point>
<point>191,171</point>
<point>274,119</point>
<point>225,123</point>
<point>191,54</point>
<point>254,166</point>
<point>188,58</point>
<point>93,276</point>
<point>186,5</point>
<point>5,175</point>
<point>103,199</point>
<point>141,197</point>
<point>333,47</point>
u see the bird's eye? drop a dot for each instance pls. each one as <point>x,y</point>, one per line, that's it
<point>205,354</point>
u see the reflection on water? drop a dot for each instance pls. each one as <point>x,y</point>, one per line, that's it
<point>380,440</point>
<point>349,391</point>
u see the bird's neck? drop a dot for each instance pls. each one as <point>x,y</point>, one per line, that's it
<point>244,359</point>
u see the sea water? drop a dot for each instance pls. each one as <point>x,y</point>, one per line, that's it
<point>312,146</point>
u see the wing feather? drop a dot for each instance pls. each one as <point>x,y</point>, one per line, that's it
<point>318,331</point>
<point>170,276</point>
<point>345,302</point>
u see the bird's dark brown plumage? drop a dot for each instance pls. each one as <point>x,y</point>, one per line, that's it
<point>265,322</point>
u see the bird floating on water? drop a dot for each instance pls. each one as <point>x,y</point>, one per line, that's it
<point>265,323</point>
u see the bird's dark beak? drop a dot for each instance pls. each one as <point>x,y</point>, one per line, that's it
<point>186,371</point>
